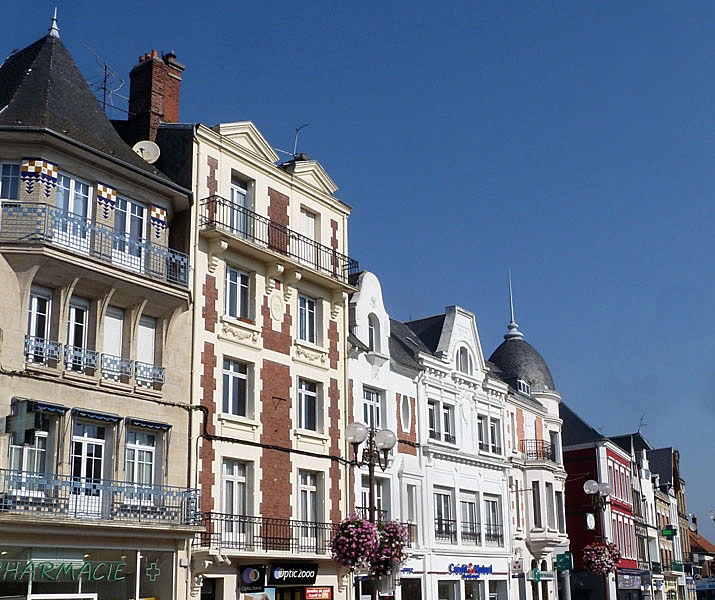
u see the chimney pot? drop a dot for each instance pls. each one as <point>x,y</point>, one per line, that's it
<point>154,54</point>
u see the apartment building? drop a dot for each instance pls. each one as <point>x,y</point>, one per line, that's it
<point>95,495</point>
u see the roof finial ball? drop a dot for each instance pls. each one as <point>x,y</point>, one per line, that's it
<point>54,30</point>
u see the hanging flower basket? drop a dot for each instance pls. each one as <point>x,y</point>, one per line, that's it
<point>354,542</point>
<point>601,558</point>
<point>390,551</point>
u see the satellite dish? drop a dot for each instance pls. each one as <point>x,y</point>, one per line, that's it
<point>148,150</point>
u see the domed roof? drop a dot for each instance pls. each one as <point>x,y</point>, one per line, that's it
<point>518,359</point>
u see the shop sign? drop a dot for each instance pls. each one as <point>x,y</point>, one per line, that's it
<point>252,578</point>
<point>319,593</point>
<point>407,570</point>
<point>24,570</point>
<point>293,574</point>
<point>469,571</point>
<point>628,581</point>
<point>564,562</point>
<point>669,531</point>
<point>517,566</point>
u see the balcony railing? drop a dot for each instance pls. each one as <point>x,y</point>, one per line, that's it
<point>39,495</point>
<point>223,215</point>
<point>263,534</point>
<point>37,223</point>
<point>471,533</point>
<point>656,567</point>
<point>538,450</point>
<point>494,534</point>
<point>84,360</point>
<point>445,530</point>
<point>364,513</point>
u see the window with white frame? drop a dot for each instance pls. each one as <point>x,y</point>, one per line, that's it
<point>469,507</point>
<point>307,319</point>
<point>235,488</point>
<point>435,431</point>
<point>536,503</point>
<point>139,457</point>
<point>517,503</point>
<point>493,530</point>
<point>309,409</point>
<point>235,388</point>
<point>9,181</point>
<point>550,512</point>
<point>373,333</point>
<point>309,501</point>
<point>441,421</point>
<point>483,432</point>
<point>444,525</point>
<point>237,299</point>
<point>129,234</point>
<point>72,199</point>
<point>489,434</point>
<point>523,387</point>
<point>372,408</point>
<point>32,458</point>
<point>76,356</point>
<point>307,247</point>
<point>411,507</point>
<point>560,512</point>
<point>464,361</point>
<point>382,497</point>
<point>38,347</point>
<point>405,413</point>
<point>240,207</point>
<point>495,435</point>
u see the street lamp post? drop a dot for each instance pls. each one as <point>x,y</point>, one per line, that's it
<point>599,492</point>
<point>376,452</point>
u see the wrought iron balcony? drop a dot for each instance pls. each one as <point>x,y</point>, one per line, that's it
<point>494,534</point>
<point>471,533</point>
<point>538,450</point>
<point>445,530</point>
<point>31,223</point>
<point>223,215</point>
<point>42,351</point>
<point>147,375</point>
<point>46,495</point>
<point>263,534</point>
<point>80,359</point>
<point>117,368</point>
<point>364,513</point>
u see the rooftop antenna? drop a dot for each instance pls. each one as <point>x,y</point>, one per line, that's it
<point>295,140</point>
<point>513,328</point>
<point>54,31</point>
<point>641,423</point>
<point>108,73</point>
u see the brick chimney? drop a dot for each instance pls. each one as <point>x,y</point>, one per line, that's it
<point>153,94</point>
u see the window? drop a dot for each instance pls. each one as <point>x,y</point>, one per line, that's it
<point>38,347</point>
<point>495,435</point>
<point>87,464</point>
<point>470,519</point>
<point>536,503</point>
<point>71,225</point>
<point>560,515</point>
<point>411,504</point>
<point>550,513</point>
<point>236,303</point>
<point>493,532</point>
<point>447,590</point>
<point>517,503</point>
<point>139,459</point>
<point>464,361</point>
<point>306,319</point>
<point>441,421</point>
<point>555,446</point>
<point>307,249</point>
<point>77,321</point>
<point>372,409</point>
<point>146,335</point>
<point>235,388</point>
<point>405,413</point>
<point>489,434</point>
<point>444,522</point>
<point>239,216</point>
<point>308,509</point>
<point>129,234</point>
<point>373,333</point>
<point>523,387</point>
<point>114,367</point>
<point>234,488</point>
<point>483,433</point>
<point>32,458</point>
<point>9,181</point>
<point>382,497</point>
<point>309,414</point>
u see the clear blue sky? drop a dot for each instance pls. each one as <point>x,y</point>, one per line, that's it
<point>573,142</point>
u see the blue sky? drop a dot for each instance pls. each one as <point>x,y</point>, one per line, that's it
<point>571,142</point>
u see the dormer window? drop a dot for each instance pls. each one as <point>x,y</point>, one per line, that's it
<point>373,333</point>
<point>464,361</point>
<point>523,387</point>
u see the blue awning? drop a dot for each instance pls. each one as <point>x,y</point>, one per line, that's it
<point>40,406</point>
<point>134,422</point>
<point>96,416</point>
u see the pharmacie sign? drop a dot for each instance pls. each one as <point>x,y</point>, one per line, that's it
<point>469,571</point>
<point>46,570</point>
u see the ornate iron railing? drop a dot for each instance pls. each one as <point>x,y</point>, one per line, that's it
<point>538,450</point>
<point>147,375</point>
<point>42,351</point>
<point>116,368</point>
<point>222,214</point>
<point>364,513</point>
<point>263,534</point>
<point>471,533</point>
<point>493,534</point>
<point>37,223</point>
<point>43,494</point>
<point>445,530</point>
<point>80,359</point>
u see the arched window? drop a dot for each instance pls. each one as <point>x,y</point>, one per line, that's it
<point>373,333</point>
<point>464,361</point>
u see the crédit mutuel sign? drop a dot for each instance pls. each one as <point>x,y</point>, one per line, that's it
<point>45,570</point>
<point>469,571</point>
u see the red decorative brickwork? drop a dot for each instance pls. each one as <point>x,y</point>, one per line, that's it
<point>334,236</point>
<point>334,433</point>
<point>410,437</point>
<point>206,452</point>
<point>280,341</point>
<point>278,238</point>
<point>277,425</point>
<point>539,428</point>
<point>519,425</point>
<point>208,312</point>
<point>211,179</point>
<point>333,339</point>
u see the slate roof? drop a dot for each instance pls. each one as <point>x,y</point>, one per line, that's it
<point>405,345</point>
<point>428,330</point>
<point>661,462</point>
<point>518,359</point>
<point>624,441</point>
<point>575,430</point>
<point>41,87</point>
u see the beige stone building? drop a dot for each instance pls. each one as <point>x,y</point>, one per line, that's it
<point>95,498</point>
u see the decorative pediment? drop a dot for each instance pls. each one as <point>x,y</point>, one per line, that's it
<point>313,174</point>
<point>246,135</point>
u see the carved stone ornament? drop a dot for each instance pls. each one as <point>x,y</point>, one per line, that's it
<point>232,332</point>
<point>310,355</point>
<point>216,250</point>
<point>276,307</point>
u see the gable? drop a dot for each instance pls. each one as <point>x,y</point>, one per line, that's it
<point>246,135</point>
<point>313,174</point>
<point>460,329</point>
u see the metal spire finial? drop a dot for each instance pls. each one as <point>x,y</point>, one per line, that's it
<point>513,328</point>
<point>54,30</point>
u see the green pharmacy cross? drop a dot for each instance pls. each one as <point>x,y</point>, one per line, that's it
<point>152,571</point>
